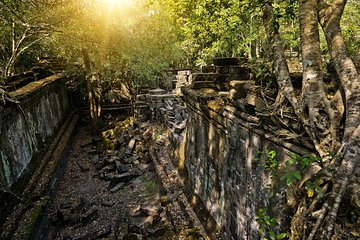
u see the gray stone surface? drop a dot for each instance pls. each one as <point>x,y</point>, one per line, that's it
<point>25,130</point>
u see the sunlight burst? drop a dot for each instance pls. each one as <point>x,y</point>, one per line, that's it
<point>111,5</point>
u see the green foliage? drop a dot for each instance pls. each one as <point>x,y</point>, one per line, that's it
<point>350,27</point>
<point>25,30</point>
<point>263,72</point>
<point>271,163</point>
<point>293,169</point>
<point>314,187</point>
<point>217,28</point>
<point>267,224</point>
<point>287,174</point>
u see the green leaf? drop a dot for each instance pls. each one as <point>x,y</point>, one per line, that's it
<point>272,154</point>
<point>290,162</point>
<point>281,236</point>
<point>294,156</point>
<point>289,181</point>
<point>273,222</point>
<point>272,235</point>
<point>297,175</point>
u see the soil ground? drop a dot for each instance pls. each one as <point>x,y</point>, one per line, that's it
<point>86,207</point>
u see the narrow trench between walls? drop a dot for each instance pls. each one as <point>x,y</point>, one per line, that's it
<point>172,166</point>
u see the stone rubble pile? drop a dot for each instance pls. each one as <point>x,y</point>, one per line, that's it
<point>232,81</point>
<point>126,158</point>
<point>160,106</point>
<point>126,163</point>
<point>175,79</point>
<point>44,68</point>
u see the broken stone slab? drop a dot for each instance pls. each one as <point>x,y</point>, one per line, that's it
<point>146,222</point>
<point>106,176</point>
<point>151,210</point>
<point>100,164</point>
<point>157,91</point>
<point>107,169</point>
<point>130,160</point>
<point>251,99</point>
<point>240,84</point>
<point>122,168</point>
<point>89,216</point>
<point>237,94</point>
<point>130,146</point>
<point>110,153</point>
<point>203,84</point>
<point>224,93</point>
<point>179,128</point>
<point>137,213</point>
<point>125,177</point>
<point>169,102</point>
<point>121,138</point>
<point>179,118</point>
<point>203,77</point>
<point>169,108</point>
<point>107,203</point>
<point>117,187</point>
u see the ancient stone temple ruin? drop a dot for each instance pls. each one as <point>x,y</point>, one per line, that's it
<point>203,139</point>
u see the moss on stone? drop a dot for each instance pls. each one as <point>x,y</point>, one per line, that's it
<point>216,104</point>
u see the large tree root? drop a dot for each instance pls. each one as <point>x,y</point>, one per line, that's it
<point>327,215</point>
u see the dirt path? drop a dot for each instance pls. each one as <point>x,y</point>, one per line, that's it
<point>112,195</point>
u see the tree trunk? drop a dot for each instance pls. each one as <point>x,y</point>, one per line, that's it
<point>281,68</point>
<point>317,113</point>
<point>316,106</point>
<point>94,97</point>
<point>329,16</point>
<point>349,154</point>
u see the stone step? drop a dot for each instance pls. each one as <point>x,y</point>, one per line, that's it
<point>203,84</point>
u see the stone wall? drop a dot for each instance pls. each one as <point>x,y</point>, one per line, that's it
<point>216,156</point>
<point>27,127</point>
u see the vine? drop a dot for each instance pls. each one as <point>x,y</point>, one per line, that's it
<point>289,175</point>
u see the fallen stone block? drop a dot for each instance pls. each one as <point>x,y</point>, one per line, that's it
<point>122,168</point>
<point>203,84</point>
<point>130,147</point>
<point>151,210</point>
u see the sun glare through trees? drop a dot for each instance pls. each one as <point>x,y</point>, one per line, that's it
<point>112,5</point>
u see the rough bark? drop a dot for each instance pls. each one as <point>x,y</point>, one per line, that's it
<point>329,18</point>
<point>315,104</point>
<point>349,154</point>
<point>94,97</point>
<point>281,69</point>
<point>320,116</point>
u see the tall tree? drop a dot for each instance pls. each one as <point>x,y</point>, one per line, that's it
<point>321,116</point>
<point>26,25</point>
